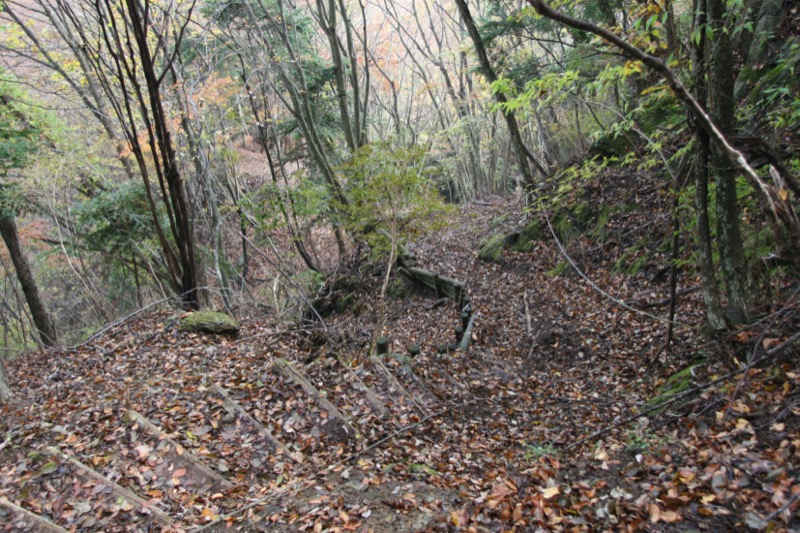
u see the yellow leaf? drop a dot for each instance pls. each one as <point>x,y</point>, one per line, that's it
<point>549,492</point>
<point>783,194</point>
<point>600,454</point>
<point>459,518</point>
<point>686,474</point>
<point>742,424</point>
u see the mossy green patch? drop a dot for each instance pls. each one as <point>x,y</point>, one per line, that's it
<point>491,249</point>
<point>420,468</point>
<point>631,262</point>
<point>560,269</point>
<point>675,384</point>
<point>534,231</point>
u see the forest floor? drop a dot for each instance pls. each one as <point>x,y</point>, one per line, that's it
<point>542,424</point>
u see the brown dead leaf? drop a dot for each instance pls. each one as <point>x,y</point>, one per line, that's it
<point>142,451</point>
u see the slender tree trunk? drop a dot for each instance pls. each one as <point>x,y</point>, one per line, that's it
<point>42,319</point>
<point>199,150</point>
<point>735,270</point>
<point>714,315</point>
<point>327,20</point>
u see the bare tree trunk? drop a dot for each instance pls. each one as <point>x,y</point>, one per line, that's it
<point>42,319</point>
<point>714,315</point>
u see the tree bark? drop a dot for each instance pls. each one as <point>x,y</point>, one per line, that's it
<point>166,163</point>
<point>42,319</point>
<point>735,270</point>
<point>5,388</point>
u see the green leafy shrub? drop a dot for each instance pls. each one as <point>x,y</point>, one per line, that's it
<point>390,194</point>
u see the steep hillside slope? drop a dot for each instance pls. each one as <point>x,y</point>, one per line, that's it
<point>543,423</point>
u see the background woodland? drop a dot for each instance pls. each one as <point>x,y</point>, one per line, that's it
<point>238,154</point>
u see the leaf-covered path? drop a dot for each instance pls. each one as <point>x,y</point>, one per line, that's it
<point>540,425</point>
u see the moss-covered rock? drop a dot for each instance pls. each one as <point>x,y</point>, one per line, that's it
<point>209,322</point>
<point>491,249</point>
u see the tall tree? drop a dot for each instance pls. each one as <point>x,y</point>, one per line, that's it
<point>131,46</point>
<point>714,316</point>
<point>19,136</point>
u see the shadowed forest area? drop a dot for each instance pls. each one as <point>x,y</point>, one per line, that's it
<point>415,265</point>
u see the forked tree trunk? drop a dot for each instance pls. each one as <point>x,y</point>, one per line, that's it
<point>47,330</point>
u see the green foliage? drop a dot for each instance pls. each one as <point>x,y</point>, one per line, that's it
<point>22,131</point>
<point>675,384</point>
<point>538,450</point>
<point>116,219</point>
<point>270,203</point>
<point>642,440</point>
<point>389,192</point>
<point>560,269</point>
<point>631,262</point>
<point>778,91</point>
